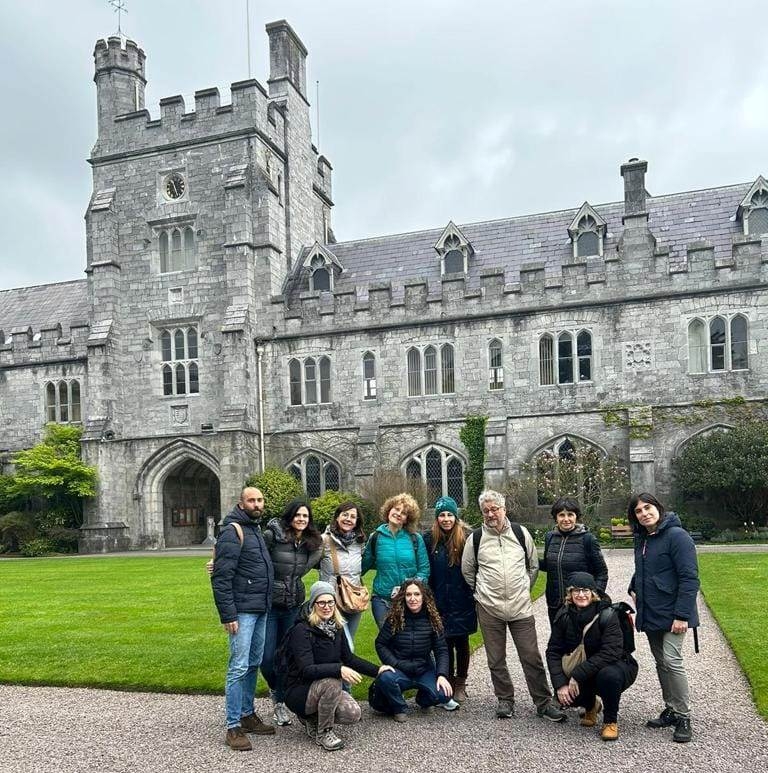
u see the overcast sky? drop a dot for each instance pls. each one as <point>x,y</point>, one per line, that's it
<point>430,110</point>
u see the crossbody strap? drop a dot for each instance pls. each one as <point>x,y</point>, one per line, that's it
<point>334,556</point>
<point>588,626</point>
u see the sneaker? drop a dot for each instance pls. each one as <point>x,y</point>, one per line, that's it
<point>552,713</point>
<point>253,724</point>
<point>610,731</point>
<point>401,716</point>
<point>310,725</point>
<point>237,740</point>
<point>505,709</point>
<point>329,740</point>
<point>589,718</point>
<point>451,705</point>
<point>281,716</point>
<point>667,718</point>
<point>682,732</point>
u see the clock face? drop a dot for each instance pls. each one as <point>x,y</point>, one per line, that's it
<point>175,185</point>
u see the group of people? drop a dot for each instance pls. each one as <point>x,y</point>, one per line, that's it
<point>430,593</point>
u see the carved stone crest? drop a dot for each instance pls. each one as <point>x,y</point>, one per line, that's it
<point>638,355</point>
<point>179,414</point>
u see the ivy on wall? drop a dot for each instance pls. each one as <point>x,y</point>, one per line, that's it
<point>472,435</point>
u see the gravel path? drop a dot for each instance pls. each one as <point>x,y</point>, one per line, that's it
<point>51,729</point>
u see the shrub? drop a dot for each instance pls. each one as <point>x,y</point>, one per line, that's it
<point>279,488</point>
<point>16,529</point>
<point>706,526</point>
<point>37,547</point>
<point>386,483</point>
<point>324,507</point>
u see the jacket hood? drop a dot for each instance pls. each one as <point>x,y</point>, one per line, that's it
<point>236,515</point>
<point>276,528</point>
<point>670,519</point>
<point>579,528</point>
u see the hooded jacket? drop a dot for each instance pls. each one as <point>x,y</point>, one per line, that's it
<point>666,578</point>
<point>291,562</point>
<point>243,575</point>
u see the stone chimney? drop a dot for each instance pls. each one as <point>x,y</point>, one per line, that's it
<point>287,59</point>
<point>633,173</point>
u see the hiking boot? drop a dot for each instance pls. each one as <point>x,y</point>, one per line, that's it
<point>309,724</point>
<point>682,732</point>
<point>237,740</point>
<point>667,718</point>
<point>589,718</point>
<point>460,690</point>
<point>451,705</point>
<point>329,740</point>
<point>505,709</point>
<point>427,709</point>
<point>552,713</point>
<point>281,716</point>
<point>610,731</point>
<point>401,716</point>
<point>253,724</point>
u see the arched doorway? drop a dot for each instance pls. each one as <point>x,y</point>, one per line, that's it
<point>190,497</point>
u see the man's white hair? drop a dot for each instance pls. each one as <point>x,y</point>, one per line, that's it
<point>489,495</point>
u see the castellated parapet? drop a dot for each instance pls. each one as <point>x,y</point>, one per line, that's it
<point>52,343</point>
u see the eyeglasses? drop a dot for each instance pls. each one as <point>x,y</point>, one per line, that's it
<point>327,604</point>
<point>493,509</point>
<point>581,591</point>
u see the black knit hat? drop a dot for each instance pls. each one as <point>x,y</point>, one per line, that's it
<point>582,580</point>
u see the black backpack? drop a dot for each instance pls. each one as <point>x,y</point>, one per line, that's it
<point>626,620</point>
<point>517,530</point>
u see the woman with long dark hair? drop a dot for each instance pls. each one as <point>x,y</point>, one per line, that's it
<point>664,587</point>
<point>445,546</point>
<point>295,546</point>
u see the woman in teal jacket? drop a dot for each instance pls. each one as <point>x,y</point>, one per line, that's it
<point>396,551</point>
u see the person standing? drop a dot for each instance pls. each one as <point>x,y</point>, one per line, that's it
<point>501,568</point>
<point>445,545</point>
<point>242,580</point>
<point>664,588</point>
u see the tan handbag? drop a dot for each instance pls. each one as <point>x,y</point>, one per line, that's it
<point>351,598</point>
<point>579,655</point>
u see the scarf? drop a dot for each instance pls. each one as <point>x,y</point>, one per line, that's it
<point>328,627</point>
<point>345,537</point>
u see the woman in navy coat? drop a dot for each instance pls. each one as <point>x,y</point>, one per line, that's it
<point>445,544</point>
<point>664,588</point>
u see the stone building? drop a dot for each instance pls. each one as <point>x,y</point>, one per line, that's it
<point>221,325</point>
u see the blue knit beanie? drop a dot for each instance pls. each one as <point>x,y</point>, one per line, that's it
<point>446,505</point>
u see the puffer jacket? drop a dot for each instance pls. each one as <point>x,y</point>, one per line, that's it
<point>666,578</point>
<point>452,594</point>
<point>291,562</point>
<point>350,559</point>
<point>603,644</point>
<point>415,649</point>
<point>568,552</point>
<point>395,559</point>
<point>242,576</point>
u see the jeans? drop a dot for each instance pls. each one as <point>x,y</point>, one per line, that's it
<point>245,650</point>
<point>352,624</point>
<point>380,609</point>
<point>279,620</point>
<point>667,651</point>
<point>390,686</point>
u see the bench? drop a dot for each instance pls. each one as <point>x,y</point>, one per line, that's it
<point>621,532</point>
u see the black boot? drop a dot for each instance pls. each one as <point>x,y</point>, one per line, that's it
<point>682,732</point>
<point>667,718</point>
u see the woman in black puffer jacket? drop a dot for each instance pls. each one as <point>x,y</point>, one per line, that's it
<point>569,548</point>
<point>608,668</point>
<point>295,546</point>
<point>411,640</point>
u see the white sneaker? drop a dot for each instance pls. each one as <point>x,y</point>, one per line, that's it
<point>329,741</point>
<point>451,705</point>
<point>281,716</point>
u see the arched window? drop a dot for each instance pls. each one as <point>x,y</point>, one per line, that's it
<point>369,376</point>
<point>430,371</point>
<point>75,415</point>
<point>414,372</point>
<point>587,244</point>
<point>454,262</point>
<point>180,369</point>
<point>177,259</point>
<point>181,379</point>
<point>697,347</point>
<point>191,343</point>
<point>50,402</point>
<point>446,362</point>
<point>717,343</point>
<point>321,280</point>
<point>310,382</point>
<point>565,358</point>
<point>165,346</point>
<point>584,353</point>
<point>316,473</point>
<point>325,380</point>
<point>189,248</point>
<point>757,219</point>
<point>438,375</point>
<point>178,345</point>
<point>546,360</point>
<point>440,470</point>
<point>177,249</point>
<point>294,375</point>
<point>454,252</point>
<point>167,380</point>
<point>194,384</point>
<point>739,348</point>
<point>164,252</point>
<point>62,402</point>
<point>495,366</point>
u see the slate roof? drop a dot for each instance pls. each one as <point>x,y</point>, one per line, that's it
<point>676,221</point>
<point>44,306</point>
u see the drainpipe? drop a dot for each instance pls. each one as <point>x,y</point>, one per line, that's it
<point>259,351</point>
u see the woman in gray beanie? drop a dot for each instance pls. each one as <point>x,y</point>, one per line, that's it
<point>315,659</point>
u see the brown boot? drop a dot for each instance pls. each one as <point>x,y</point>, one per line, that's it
<point>590,717</point>
<point>610,731</point>
<point>253,724</point>
<point>460,689</point>
<point>237,740</point>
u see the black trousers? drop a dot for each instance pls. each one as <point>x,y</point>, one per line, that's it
<point>458,655</point>
<point>609,683</point>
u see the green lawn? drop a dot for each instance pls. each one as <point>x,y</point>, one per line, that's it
<point>734,586</point>
<point>121,623</point>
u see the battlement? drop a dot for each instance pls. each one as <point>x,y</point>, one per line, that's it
<point>22,345</point>
<point>117,53</point>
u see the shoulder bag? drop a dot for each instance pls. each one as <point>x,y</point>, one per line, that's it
<point>579,655</point>
<point>351,598</point>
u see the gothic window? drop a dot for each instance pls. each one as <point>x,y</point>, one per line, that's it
<point>565,358</point>
<point>758,221</point>
<point>309,380</point>
<point>321,280</point>
<point>177,249</point>
<point>441,472</point>
<point>718,345</point>
<point>587,244</point>
<point>454,251</point>
<point>453,260</point>
<point>179,355</point>
<point>316,473</point>
<point>369,376</point>
<point>546,360</point>
<point>584,353</point>
<point>438,375</point>
<point>495,366</point>
<point>587,232</point>
<point>62,402</point>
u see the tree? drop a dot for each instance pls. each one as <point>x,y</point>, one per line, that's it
<point>728,469</point>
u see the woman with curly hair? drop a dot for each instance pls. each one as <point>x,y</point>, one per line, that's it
<point>295,546</point>
<point>412,641</point>
<point>395,550</point>
<point>445,545</point>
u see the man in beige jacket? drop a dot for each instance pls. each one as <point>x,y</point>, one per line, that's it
<point>502,572</point>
